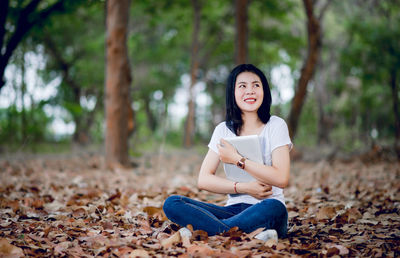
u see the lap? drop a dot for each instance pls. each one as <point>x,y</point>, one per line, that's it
<point>220,212</point>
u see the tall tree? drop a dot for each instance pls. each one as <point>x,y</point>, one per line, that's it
<point>190,120</point>
<point>242,31</point>
<point>307,71</point>
<point>322,98</point>
<point>118,80</point>
<point>27,16</point>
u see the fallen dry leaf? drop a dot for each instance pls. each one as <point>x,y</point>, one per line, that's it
<point>174,239</point>
<point>326,212</point>
<point>73,207</point>
<point>139,253</point>
<point>9,250</point>
<point>201,250</point>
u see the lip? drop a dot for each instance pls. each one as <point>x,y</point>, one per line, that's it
<point>250,100</point>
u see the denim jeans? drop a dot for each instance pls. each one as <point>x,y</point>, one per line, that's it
<point>214,219</point>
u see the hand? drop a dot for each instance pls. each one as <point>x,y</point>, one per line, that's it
<point>255,188</point>
<point>228,153</point>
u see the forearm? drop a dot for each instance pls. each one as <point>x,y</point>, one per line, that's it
<point>267,174</point>
<point>216,184</point>
<point>275,175</point>
<point>208,180</point>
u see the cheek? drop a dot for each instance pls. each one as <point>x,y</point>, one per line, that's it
<point>237,95</point>
<point>261,94</point>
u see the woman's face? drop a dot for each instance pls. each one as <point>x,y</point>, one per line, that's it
<point>249,93</point>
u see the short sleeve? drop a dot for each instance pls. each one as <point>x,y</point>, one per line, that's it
<point>216,137</point>
<point>280,135</point>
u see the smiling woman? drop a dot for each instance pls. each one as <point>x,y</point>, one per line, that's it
<point>252,204</point>
<point>249,93</point>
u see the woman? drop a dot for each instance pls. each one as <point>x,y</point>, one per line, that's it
<point>251,205</point>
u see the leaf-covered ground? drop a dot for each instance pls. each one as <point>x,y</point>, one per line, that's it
<point>73,206</point>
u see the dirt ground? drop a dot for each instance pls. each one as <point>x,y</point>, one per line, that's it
<point>70,205</point>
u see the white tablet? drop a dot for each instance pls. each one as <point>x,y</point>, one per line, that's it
<point>249,147</point>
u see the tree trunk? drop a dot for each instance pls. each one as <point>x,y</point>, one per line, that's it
<point>151,120</point>
<point>190,120</point>
<point>118,80</point>
<point>322,97</point>
<point>395,96</point>
<point>307,71</point>
<point>242,31</point>
<point>24,129</point>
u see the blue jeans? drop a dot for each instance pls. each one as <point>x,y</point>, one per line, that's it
<point>214,219</point>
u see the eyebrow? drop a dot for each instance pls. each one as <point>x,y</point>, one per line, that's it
<point>251,82</point>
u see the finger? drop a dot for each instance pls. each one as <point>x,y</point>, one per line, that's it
<point>267,188</point>
<point>267,193</point>
<point>225,143</point>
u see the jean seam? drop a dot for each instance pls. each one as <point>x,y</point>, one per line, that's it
<point>197,208</point>
<point>226,212</point>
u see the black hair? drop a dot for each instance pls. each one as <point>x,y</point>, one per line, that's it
<point>233,113</point>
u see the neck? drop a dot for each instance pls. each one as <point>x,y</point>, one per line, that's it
<point>251,122</point>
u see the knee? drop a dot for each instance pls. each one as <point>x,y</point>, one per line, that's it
<point>170,204</point>
<point>274,207</point>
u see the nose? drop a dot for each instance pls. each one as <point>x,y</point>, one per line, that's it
<point>250,91</point>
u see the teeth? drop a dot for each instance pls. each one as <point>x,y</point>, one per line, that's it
<point>249,100</point>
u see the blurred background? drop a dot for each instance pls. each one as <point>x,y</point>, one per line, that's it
<point>333,69</point>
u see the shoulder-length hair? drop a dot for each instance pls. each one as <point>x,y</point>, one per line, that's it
<point>233,113</point>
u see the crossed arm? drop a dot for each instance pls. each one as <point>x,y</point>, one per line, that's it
<point>267,176</point>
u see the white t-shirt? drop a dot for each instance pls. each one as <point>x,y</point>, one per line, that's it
<point>274,134</point>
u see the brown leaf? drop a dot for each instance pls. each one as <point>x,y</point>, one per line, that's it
<point>353,215</point>
<point>14,205</point>
<point>200,235</point>
<point>37,204</point>
<point>349,216</point>
<point>185,241</point>
<point>78,213</point>
<point>335,249</point>
<point>190,227</point>
<point>332,251</point>
<point>233,233</point>
<point>155,212</point>
<point>327,212</point>
<point>255,232</point>
<point>107,225</point>
<point>200,249</point>
<point>115,196</point>
<point>271,242</point>
<point>139,253</point>
<point>145,227</point>
<point>9,250</point>
<point>61,247</point>
<point>123,251</point>
<point>174,239</point>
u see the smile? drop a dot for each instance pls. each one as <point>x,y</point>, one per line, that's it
<point>250,100</point>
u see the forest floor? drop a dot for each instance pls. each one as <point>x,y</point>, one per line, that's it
<point>70,205</point>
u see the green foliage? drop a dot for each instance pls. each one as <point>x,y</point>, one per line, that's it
<point>18,126</point>
<point>361,47</point>
<point>372,54</point>
<point>307,133</point>
<point>274,27</point>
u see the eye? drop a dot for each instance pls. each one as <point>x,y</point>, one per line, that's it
<point>241,86</point>
<point>257,85</point>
